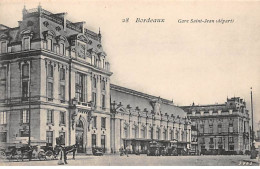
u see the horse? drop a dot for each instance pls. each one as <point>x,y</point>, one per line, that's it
<point>69,149</point>
<point>66,149</point>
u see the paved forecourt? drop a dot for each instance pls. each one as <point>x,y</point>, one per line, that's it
<point>143,160</point>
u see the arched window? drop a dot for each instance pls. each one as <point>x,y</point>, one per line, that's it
<point>143,132</point>
<point>3,47</point>
<point>80,124</point>
<point>158,133</point>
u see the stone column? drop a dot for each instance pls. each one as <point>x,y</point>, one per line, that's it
<point>98,101</point>
<point>88,88</point>
<point>139,128</point>
<point>168,134</point>
<point>85,88</point>
<point>107,97</point>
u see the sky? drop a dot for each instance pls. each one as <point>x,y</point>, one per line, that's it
<point>202,63</point>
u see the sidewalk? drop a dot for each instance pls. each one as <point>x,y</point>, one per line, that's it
<point>250,161</point>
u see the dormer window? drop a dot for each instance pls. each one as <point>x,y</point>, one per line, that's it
<point>62,49</point>
<point>57,49</point>
<point>26,43</point>
<point>49,44</point>
<point>3,47</point>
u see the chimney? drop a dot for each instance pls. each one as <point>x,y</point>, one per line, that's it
<point>64,21</point>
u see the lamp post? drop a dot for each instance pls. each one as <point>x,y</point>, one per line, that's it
<point>252,114</point>
<point>29,135</point>
<point>152,125</point>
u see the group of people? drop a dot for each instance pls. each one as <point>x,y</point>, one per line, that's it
<point>124,151</point>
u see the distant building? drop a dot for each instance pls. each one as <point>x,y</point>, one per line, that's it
<point>257,137</point>
<point>221,127</point>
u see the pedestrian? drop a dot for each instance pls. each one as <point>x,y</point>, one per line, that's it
<point>126,151</point>
<point>60,141</point>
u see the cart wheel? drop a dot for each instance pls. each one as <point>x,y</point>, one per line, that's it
<point>41,156</point>
<point>49,155</point>
<point>2,155</point>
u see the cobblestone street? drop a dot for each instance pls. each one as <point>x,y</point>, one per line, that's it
<point>143,160</point>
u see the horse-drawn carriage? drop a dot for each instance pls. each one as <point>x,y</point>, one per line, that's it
<point>23,151</point>
<point>154,149</point>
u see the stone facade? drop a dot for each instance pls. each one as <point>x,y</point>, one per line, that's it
<point>221,127</point>
<point>55,73</point>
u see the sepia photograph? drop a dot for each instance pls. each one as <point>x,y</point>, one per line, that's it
<point>129,83</point>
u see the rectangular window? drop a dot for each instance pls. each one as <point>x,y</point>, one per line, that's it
<point>94,82</point>
<point>26,43</point>
<point>211,141</point>
<point>3,137</point>
<point>3,47</point>
<point>94,98</point>
<point>50,70</point>
<point>25,71</point>
<point>25,116</point>
<point>49,138</point>
<point>79,87</point>
<point>103,85</point>
<point>3,73</point>
<point>103,122</point>
<point>62,74</point>
<point>231,147</point>
<point>103,142</point>
<point>3,117</point>
<point>49,116</point>
<point>230,129</point>
<point>62,118</point>
<point>103,101</point>
<point>94,123</point>
<point>50,90</point>
<point>49,44</point>
<point>62,92</point>
<point>25,90</point>
<point>24,133</point>
<point>94,140</point>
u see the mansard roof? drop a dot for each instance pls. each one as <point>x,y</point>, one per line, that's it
<point>143,101</point>
<point>53,24</point>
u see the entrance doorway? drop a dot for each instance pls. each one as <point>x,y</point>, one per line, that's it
<point>79,136</point>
